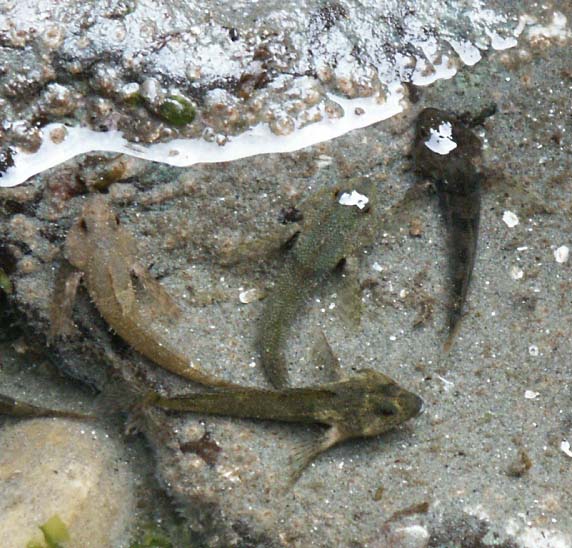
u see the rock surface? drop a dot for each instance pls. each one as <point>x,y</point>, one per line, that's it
<point>486,456</point>
<point>66,468</point>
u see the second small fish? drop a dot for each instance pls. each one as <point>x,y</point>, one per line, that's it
<point>332,231</point>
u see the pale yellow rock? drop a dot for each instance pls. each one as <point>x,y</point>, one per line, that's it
<point>69,468</point>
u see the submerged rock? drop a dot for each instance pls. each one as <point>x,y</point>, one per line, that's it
<point>67,469</point>
<point>229,82</point>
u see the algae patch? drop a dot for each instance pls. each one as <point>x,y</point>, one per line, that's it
<point>55,533</point>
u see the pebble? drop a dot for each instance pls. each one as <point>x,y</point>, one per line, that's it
<point>55,467</point>
<point>510,219</point>
<point>562,254</point>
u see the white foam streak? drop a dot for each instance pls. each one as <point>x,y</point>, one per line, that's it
<point>259,139</point>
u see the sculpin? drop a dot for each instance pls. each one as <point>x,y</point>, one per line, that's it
<point>331,232</point>
<point>16,408</point>
<point>367,404</point>
<point>446,151</point>
<point>126,295</point>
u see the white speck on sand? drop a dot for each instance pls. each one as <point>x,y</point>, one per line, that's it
<point>354,199</point>
<point>565,447</point>
<point>531,395</point>
<point>249,296</point>
<point>533,350</point>
<point>447,384</point>
<point>516,273</point>
<point>510,219</point>
<point>562,254</point>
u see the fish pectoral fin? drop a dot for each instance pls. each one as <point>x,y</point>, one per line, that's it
<point>157,292</point>
<point>512,193</point>
<point>120,288</point>
<point>67,283</point>
<point>307,452</point>
<point>322,356</point>
<point>396,215</point>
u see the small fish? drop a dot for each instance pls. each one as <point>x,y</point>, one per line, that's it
<point>367,404</point>
<point>104,254</point>
<point>16,408</point>
<point>332,231</point>
<point>446,151</point>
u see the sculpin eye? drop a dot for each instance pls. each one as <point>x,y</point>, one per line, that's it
<point>386,409</point>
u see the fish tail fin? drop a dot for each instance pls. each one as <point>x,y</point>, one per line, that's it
<point>454,325</point>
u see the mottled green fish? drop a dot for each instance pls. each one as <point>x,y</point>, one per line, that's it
<point>367,404</point>
<point>16,408</point>
<point>331,232</point>
<point>445,150</point>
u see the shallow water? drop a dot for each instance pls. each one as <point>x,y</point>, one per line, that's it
<point>504,392</point>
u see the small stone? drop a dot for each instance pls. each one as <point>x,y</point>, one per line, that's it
<point>516,273</point>
<point>521,465</point>
<point>353,199</point>
<point>565,448</point>
<point>533,350</point>
<point>510,219</point>
<point>55,467</point>
<point>415,228</point>
<point>531,395</point>
<point>250,295</point>
<point>411,536</point>
<point>561,254</point>
<point>58,135</point>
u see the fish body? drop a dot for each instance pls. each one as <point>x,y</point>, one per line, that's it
<point>125,294</point>
<point>446,151</point>
<point>16,408</point>
<point>367,404</point>
<point>332,231</point>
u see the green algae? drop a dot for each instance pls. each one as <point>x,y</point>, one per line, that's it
<point>5,284</point>
<point>152,538</point>
<point>177,110</point>
<point>55,533</point>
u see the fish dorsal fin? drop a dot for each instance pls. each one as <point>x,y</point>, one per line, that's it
<point>323,357</point>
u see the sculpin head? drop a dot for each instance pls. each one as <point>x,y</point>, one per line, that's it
<point>97,225</point>
<point>443,144</point>
<point>97,215</point>
<point>384,404</point>
<point>358,194</point>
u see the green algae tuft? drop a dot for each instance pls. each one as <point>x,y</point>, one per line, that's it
<point>177,110</point>
<point>55,533</point>
<point>5,284</point>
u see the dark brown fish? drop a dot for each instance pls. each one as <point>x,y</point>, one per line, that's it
<point>447,151</point>
<point>365,405</point>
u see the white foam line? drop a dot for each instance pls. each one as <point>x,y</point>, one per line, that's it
<point>186,152</point>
